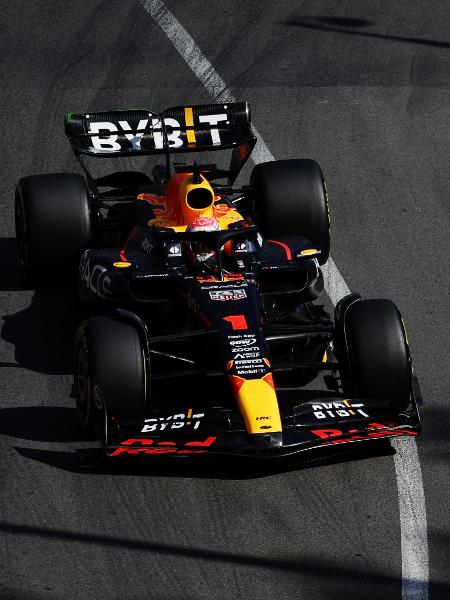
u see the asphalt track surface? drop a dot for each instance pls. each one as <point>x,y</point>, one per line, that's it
<point>362,87</point>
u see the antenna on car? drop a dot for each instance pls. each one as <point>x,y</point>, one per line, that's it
<point>196,173</point>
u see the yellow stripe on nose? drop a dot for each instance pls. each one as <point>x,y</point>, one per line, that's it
<point>189,118</point>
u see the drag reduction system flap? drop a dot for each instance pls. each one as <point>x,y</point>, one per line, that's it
<point>177,129</point>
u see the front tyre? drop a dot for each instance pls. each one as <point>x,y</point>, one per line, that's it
<point>377,355</point>
<point>110,374</point>
<point>290,197</point>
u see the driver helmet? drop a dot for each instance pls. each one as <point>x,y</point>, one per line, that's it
<point>201,253</point>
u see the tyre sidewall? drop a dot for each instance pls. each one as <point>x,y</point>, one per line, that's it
<point>378,354</point>
<point>117,370</point>
<point>290,197</point>
<point>83,405</point>
<point>53,217</point>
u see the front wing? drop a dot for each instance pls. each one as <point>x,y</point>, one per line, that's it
<point>222,433</point>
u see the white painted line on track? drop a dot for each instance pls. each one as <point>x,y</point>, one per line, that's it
<point>199,64</point>
<point>413,521</point>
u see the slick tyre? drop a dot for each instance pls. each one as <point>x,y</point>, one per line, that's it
<point>53,223</point>
<point>290,197</point>
<point>377,353</point>
<point>110,373</point>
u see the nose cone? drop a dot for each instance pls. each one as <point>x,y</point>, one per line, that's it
<point>258,404</point>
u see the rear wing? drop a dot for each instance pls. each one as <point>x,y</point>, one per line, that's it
<point>198,128</point>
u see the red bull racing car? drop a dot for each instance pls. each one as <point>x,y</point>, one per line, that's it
<point>204,331</point>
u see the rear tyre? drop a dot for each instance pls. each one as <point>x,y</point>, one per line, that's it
<point>110,374</point>
<point>378,361</point>
<point>291,198</point>
<point>53,222</point>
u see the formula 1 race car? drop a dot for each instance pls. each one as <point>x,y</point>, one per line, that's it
<point>204,333</point>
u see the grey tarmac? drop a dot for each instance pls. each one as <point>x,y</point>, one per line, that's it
<point>362,87</point>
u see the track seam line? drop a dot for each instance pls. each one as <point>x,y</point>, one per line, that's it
<point>411,496</point>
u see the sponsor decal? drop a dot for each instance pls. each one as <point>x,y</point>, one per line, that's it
<point>177,421</point>
<point>150,446</point>
<point>95,277</point>
<point>241,247</point>
<point>373,431</point>
<point>263,418</point>
<point>102,142</point>
<point>246,369</point>
<point>147,246</point>
<point>204,224</point>
<point>266,427</point>
<point>322,410</point>
<point>239,285</point>
<point>308,251</point>
<point>228,278</point>
<point>193,305</point>
<point>249,366</point>
<point>175,250</point>
<point>246,353</point>
<point>240,336</point>
<point>98,398</point>
<point>224,295</point>
<point>243,342</point>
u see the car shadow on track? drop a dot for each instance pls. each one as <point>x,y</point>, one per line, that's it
<point>52,424</point>
<point>10,279</point>
<point>435,441</point>
<point>92,461</point>
<point>58,425</point>
<point>43,332</point>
